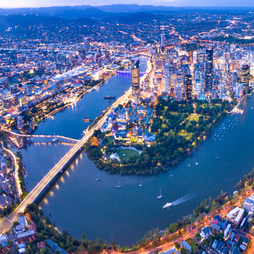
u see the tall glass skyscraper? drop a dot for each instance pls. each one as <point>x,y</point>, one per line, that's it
<point>208,69</point>
<point>188,87</point>
<point>246,77</point>
<point>135,78</point>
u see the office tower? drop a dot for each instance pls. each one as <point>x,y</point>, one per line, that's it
<point>167,70</point>
<point>199,67</point>
<point>197,82</point>
<point>222,89</point>
<point>234,79</point>
<point>166,79</point>
<point>245,77</point>
<point>178,92</point>
<point>188,87</point>
<point>135,78</point>
<point>162,40</point>
<point>239,90</point>
<point>195,57</point>
<point>159,63</point>
<point>208,69</point>
<point>200,56</point>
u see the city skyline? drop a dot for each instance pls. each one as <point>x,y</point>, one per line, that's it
<point>173,3</point>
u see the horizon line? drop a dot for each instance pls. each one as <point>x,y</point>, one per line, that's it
<point>100,5</point>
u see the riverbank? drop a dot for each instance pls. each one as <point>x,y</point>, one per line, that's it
<point>129,205</point>
<point>185,229</point>
<point>177,125</point>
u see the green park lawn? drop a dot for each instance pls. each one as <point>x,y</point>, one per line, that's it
<point>128,153</point>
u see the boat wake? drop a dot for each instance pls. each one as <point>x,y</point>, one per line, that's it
<point>184,199</point>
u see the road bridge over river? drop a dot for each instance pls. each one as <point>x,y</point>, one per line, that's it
<point>6,222</point>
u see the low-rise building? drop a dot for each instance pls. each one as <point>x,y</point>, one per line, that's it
<point>235,216</point>
<point>26,236</point>
<point>205,232</point>
<point>248,204</point>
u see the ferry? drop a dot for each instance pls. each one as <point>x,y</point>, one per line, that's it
<point>167,205</point>
<point>109,97</point>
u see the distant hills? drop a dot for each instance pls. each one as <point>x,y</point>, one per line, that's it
<point>89,15</point>
<point>115,10</point>
<point>31,20</point>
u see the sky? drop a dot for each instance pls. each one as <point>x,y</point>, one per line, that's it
<point>46,3</point>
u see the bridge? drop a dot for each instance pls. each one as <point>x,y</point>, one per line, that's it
<point>129,73</point>
<point>6,222</point>
<point>71,140</point>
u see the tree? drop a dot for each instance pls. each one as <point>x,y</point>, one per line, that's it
<point>184,251</point>
<point>177,245</point>
<point>43,251</point>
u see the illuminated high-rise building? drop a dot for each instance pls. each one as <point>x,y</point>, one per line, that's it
<point>208,69</point>
<point>166,79</point>
<point>162,40</point>
<point>234,79</point>
<point>200,56</point>
<point>135,78</point>
<point>188,87</point>
<point>245,78</point>
<point>178,92</point>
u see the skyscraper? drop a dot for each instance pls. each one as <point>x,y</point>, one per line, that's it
<point>208,69</point>
<point>188,87</point>
<point>166,78</point>
<point>178,92</point>
<point>135,78</point>
<point>162,40</point>
<point>245,78</point>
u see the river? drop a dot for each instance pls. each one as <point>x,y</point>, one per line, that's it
<point>80,204</point>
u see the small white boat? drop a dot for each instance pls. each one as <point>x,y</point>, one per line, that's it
<point>170,175</point>
<point>98,178</point>
<point>251,107</point>
<point>196,163</point>
<point>118,186</point>
<point>54,139</point>
<point>140,185</point>
<point>167,205</point>
<point>160,196</point>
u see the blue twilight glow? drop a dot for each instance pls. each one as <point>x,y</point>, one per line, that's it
<point>44,3</point>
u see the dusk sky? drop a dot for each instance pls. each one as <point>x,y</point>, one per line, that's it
<point>44,3</point>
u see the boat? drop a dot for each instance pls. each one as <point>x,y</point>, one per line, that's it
<point>167,205</point>
<point>196,163</point>
<point>54,139</point>
<point>118,186</point>
<point>170,175</point>
<point>87,120</point>
<point>189,165</point>
<point>217,157</point>
<point>108,97</point>
<point>160,196</point>
<point>98,178</point>
<point>140,185</point>
<point>251,107</point>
